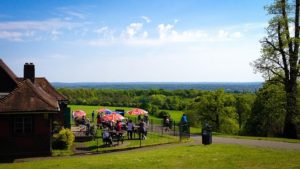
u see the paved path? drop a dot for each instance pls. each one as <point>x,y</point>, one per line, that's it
<point>258,143</point>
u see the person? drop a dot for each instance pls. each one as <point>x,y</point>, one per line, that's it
<point>146,118</point>
<point>83,120</point>
<point>98,120</point>
<point>107,140</point>
<point>119,125</point>
<point>184,119</point>
<point>167,123</point>
<point>93,116</point>
<point>129,129</point>
<point>139,117</point>
<point>88,126</point>
<point>143,130</point>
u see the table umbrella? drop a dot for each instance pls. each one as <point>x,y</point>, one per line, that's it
<point>137,112</point>
<point>78,113</point>
<point>105,111</point>
<point>113,117</point>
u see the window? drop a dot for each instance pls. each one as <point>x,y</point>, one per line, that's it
<point>22,125</point>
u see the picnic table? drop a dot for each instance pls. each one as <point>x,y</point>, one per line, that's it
<point>117,136</point>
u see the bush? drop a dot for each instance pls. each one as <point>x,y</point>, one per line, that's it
<point>163,114</point>
<point>64,139</point>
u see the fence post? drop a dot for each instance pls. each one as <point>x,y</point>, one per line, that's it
<point>151,121</point>
<point>189,130</point>
<point>174,127</point>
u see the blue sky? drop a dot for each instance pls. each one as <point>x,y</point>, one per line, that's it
<point>134,40</point>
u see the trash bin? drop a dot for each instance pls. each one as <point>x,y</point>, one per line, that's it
<point>206,136</point>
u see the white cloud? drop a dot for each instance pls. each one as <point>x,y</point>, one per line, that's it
<point>147,19</point>
<point>164,30</point>
<point>132,30</point>
<point>101,30</point>
<point>12,36</point>
<point>222,34</point>
<point>55,34</point>
<point>237,35</point>
<point>18,30</point>
<point>38,25</point>
<point>70,12</point>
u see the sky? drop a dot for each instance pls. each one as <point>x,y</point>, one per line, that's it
<point>134,40</point>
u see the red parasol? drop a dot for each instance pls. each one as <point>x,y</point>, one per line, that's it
<point>113,117</point>
<point>78,113</point>
<point>137,112</point>
<point>105,111</point>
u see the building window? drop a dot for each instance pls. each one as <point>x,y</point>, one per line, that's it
<point>23,126</point>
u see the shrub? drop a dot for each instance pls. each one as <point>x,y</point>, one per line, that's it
<point>162,114</point>
<point>64,139</point>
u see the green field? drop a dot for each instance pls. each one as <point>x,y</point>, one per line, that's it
<point>175,156</point>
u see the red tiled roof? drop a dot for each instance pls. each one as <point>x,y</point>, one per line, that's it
<point>8,71</point>
<point>28,97</point>
<point>47,87</point>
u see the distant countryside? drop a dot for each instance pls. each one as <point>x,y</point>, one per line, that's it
<point>166,84</point>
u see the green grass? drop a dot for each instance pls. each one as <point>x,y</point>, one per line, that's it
<point>259,138</point>
<point>152,139</point>
<point>178,156</point>
<point>64,152</point>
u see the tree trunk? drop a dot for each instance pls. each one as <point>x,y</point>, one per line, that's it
<point>290,128</point>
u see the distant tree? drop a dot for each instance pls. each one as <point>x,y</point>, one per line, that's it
<point>243,106</point>
<point>216,108</point>
<point>280,56</point>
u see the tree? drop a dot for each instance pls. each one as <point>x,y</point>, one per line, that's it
<point>218,109</point>
<point>243,108</point>
<point>280,56</point>
<point>267,116</point>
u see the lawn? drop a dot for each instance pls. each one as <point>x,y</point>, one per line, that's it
<point>176,156</point>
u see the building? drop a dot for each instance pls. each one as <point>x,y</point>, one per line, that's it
<point>29,109</point>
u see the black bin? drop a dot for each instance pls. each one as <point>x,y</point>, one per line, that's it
<point>206,136</point>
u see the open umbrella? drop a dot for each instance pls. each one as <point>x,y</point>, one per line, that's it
<point>78,113</point>
<point>113,117</point>
<point>105,111</point>
<point>137,112</point>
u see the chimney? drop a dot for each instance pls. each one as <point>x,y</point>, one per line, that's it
<point>29,71</point>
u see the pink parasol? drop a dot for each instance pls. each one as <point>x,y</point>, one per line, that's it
<point>78,113</point>
<point>137,112</point>
<point>113,117</point>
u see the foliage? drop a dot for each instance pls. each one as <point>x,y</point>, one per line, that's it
<point>218,109</point>
<point>63,139</point>
<point>268,111</point>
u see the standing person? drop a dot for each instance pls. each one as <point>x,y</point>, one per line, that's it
<point>143,131</point>
<point>129,129</point>
<point>93,116</point>
<point>167,123</point>
<point>98,120</point>
<point>119,125</point>
<point>184,119</point>
<point>139,117</point>
<point>146,118</point>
